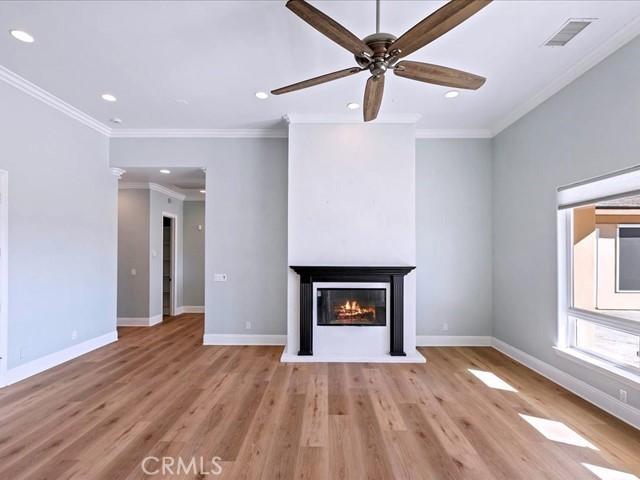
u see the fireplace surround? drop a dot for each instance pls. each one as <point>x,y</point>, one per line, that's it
<point>391,275</point>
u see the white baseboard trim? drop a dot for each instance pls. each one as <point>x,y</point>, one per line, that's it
<point>414,357</point>
<point>452,341</point>
<point>139,321</point>
<point>190,309</point>
<point>233,339</point>
<point>41,364</point>
<point>600,399</point>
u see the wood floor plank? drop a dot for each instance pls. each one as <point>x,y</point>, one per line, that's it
<point>158,392</point>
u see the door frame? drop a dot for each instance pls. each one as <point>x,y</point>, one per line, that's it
<point>173,297</point>
<point>4,274</point>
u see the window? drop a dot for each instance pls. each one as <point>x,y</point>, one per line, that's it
<point>628,250</point>
<point>599,270</point>
<point>607,343</point>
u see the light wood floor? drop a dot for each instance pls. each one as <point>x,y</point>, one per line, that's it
<point>159,392</point>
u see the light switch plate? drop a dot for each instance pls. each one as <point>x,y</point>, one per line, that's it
<point>219,277</point>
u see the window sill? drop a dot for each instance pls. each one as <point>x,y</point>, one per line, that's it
<point>600,366</point>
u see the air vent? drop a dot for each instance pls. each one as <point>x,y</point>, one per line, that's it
<point>568,31</point>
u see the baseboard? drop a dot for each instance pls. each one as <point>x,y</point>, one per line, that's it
<point>191,309</point>
<point>233,339</point>
<point>34,367</point>
<point>452,341</point>
<point>600,399</point>
<point>139,321</point>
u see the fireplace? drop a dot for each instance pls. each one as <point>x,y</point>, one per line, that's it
<point>361,284</point>
<point>352,307</point>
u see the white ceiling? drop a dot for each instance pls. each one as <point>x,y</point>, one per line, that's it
<point>217,54</point>
<point>188,181</point>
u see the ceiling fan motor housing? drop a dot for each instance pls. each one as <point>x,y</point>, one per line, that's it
<point>379,43</point>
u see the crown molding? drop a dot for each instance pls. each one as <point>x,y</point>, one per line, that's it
<point>454,133</point>
<point>613,43</point>
<point>197,133</point>
<point>38,93</point>
<point>152,186</point>
<point>349,118</point>
<point>118,172</point>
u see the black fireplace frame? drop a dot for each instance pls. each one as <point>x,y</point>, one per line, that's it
<point>394,275</point>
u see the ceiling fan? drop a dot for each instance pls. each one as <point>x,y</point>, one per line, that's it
<point>380,51</point>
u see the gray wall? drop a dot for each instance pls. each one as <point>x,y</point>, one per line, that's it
<point>454,236</point>
<point>133,252</point>
<point>193,254</point>
<point>246,223</point>
<point>62,228</point>
<point>588,129</point>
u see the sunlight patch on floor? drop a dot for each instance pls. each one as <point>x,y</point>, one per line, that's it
<point>557,431</point>
<point>492,380</point>
<point>608,473</point>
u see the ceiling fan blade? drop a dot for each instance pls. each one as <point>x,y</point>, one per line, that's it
<point>317,80</point>
<point>438,23</point>
<point>373,97</point>
<point>328,27</point>
<point>448,77</point>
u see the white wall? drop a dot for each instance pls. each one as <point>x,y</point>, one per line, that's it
<point>351,202</point>
<point>62,228</point>
<point>589,128</point>
<point>454,236</point>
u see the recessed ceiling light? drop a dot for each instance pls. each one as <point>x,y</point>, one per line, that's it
<point>107,97</point>
<point>203,191</point>
<point>22,36</point>
<point>353,106</point>
<point>262,95</point>
<point>115,120</point>
<point>452,94</point>
<point>165,171</point>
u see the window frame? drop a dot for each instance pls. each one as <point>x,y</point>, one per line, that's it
<point>566,342</point>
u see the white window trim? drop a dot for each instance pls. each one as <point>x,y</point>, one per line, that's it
<point>622,225</point>
<point>626,182</point>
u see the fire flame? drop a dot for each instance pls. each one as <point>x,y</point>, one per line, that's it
<point>353,309</point>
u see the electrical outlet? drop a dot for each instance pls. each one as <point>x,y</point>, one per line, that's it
<point>74,335</point>
<point>247,325</point>
<point>623,395</point>
<point>134,272</point>
<point>445,327</point>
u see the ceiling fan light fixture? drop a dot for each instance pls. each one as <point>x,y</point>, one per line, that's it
<point>353,105</point>
<point>262,95</point>
<point>452,94</point>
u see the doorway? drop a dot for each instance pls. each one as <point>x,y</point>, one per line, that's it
<point>169,257</point>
